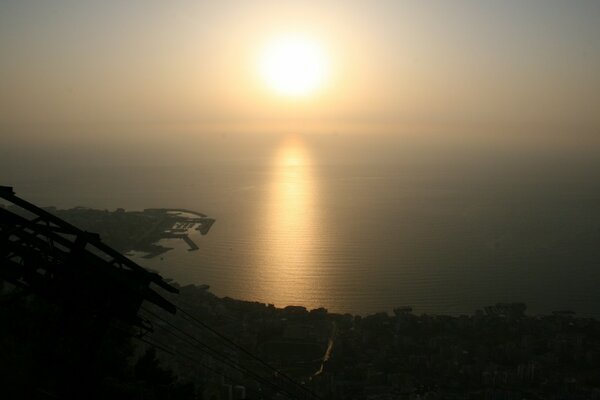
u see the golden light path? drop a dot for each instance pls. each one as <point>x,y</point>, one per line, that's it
<point>288,271</point>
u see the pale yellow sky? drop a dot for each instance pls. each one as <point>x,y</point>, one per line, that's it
<point>71,66</point>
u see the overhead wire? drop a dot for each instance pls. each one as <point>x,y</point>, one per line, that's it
<point>247,352</point>
<point>230,363</point>
<point>164,349</point>
<point>173,352</point>
<point>217,355</point>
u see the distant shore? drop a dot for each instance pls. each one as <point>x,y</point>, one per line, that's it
<point>138,231</point>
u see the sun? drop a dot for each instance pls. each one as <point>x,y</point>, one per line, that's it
<point>294,65</point>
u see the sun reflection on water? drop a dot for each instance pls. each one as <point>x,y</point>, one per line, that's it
<point>287,268</point>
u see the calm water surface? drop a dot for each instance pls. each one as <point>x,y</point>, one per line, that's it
<point>361,225</point>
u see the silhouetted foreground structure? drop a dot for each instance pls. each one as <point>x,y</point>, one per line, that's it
<point>48,255</point>
<point>69,305</point>
<point>86,286</point>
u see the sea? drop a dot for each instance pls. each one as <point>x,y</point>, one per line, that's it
<point>352,223</point>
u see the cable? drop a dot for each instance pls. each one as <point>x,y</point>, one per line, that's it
<point>238,347</point>
<point>227,361</point>
<point>204,365</point>
<point>173,352</point>
<point>220,357</point>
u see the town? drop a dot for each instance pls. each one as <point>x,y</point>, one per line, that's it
<point>499,352</point>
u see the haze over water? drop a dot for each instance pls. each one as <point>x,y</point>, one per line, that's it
<point>359,225</point>
<point>357,155</point>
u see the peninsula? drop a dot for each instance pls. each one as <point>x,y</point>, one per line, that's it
<point>139,231</point>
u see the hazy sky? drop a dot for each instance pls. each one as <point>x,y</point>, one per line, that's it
<point>83,67</point>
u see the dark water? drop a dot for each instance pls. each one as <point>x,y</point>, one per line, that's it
<point>361,224</point>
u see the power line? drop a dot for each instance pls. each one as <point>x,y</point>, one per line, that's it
<point>173,352</point>
<point>247,352</point>
<point>230,363</point>
<point>215,354</point>
<point>164,349</point>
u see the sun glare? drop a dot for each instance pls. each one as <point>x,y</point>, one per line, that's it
<point>294,65</point>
